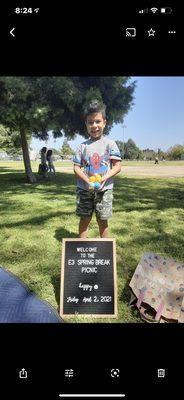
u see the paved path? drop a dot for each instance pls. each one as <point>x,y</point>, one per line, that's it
<point>155,170</point>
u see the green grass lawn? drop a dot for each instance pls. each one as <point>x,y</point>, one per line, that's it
<point>18,165</point>
<point>148,216</point>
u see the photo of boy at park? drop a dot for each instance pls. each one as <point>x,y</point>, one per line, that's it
<point>96,162</point>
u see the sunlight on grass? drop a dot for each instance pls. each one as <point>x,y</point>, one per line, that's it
<point>148,216</point>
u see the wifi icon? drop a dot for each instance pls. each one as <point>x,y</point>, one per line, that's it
<point>154,10</point>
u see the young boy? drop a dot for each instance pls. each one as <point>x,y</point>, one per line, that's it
<point>96,159</point>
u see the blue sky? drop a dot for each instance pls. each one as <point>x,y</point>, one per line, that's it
<point>156,119</point>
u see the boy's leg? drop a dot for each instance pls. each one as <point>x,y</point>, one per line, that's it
<point>103,210</point>
<point>83,227</point>
<point>84,210</point>
<point>103,227</point>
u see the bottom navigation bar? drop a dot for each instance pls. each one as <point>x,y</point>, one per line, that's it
<point>119,395</point>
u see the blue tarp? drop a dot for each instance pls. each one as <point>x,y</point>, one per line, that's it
<point>19,304</point>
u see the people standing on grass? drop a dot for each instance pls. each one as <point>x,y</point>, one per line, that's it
<point>50,162</point>
<point>43,166</point>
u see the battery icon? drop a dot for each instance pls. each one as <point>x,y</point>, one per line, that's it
<point>166,10</point>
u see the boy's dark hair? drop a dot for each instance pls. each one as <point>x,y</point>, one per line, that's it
<point>44,149</point>
<point>94,107</point>
<point>49,153</point>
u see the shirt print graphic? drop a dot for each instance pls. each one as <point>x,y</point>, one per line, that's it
<point>96,164</point>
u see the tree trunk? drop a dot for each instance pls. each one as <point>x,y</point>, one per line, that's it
<point>25,151</point>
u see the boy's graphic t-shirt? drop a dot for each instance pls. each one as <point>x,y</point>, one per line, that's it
<point>95,157</point>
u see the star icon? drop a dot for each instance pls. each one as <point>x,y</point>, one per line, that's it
<point>151,32</point>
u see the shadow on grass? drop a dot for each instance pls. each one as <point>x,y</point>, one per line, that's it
<point>168,244</point>
<point>15,183</point>
<point>55,280</point>
<point>125,298</point>
<point>40,219</point>
<point>60,234</point>
<point>131,194</point>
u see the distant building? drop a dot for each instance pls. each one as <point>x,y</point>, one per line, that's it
<point>4,155</point>
<point>17,158</point>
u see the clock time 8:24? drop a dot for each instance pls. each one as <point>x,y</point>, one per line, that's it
<point>25,10</point>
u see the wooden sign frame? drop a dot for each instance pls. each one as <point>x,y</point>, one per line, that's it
<point>115,314</point>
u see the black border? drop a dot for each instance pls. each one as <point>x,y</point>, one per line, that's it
<point>137,345</point>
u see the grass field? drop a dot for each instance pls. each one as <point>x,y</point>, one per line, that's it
<point>18,165</point>
<point>148,216</point>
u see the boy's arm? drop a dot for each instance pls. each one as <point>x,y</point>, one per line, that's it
<point>116,168</point>
<point>80,174</point>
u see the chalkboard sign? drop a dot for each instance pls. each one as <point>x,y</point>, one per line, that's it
<point>88,278</point>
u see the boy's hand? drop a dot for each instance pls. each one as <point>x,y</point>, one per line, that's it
<point>102,183</point>
<point>97,184</point>
<point>116,168</point>
<point>90,186</point>
<point>94,185</point>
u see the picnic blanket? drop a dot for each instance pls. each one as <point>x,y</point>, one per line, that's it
<point>158,289</point>
<point>19,304</point>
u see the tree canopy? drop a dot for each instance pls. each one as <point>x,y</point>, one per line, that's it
<point>129,150</point>
<point>10,141</point>
<point>176,152</point>
<point>66,150</point>
<point>37,105</point>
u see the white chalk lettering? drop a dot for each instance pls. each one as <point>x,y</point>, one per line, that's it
<point>106,299</point>
<point>86,249</point>
<point>88,270</point>
<point>102,262</point>
<point>72,299</point>
<point>91,255</point>
<point>71,262</point>
<point>87,299</point>
<point>83,255</point>
<point>85,262</point>
<point>85,286</point>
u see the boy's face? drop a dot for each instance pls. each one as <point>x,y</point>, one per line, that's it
<point>95,124</point>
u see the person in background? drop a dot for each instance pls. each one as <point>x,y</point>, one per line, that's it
<point>43,165</point>
<point>50,162</point>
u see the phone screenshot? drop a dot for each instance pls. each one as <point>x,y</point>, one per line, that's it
<point>92,201</point>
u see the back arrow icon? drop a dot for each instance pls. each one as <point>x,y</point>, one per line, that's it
<point>11,32</point>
